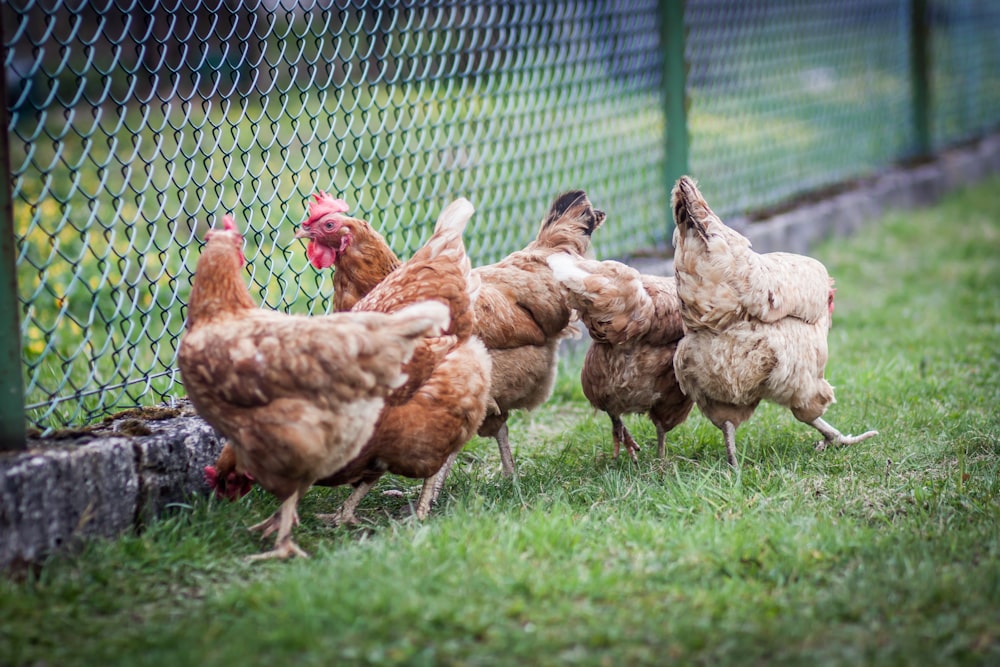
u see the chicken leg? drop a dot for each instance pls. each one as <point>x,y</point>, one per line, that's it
<point>344,516</point>
<point>439,481</point>
<point>287,516</point>
<point>432,487</point>
<point>729,433</point>
<point>620,436</point>
<point>273,523</point>
<point>506,459</point>
<point>832,436</point>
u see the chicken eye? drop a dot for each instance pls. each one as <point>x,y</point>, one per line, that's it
<point>329,225</point>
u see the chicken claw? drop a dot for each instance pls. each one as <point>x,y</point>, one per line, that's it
<point>272,523</point>
<point>282,551</point>
<point>281,521</point>
<point>344,516</point>
<point>832,436</point>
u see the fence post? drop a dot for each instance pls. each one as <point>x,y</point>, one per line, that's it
<point>673,40</point>
<point>920,37</point>
<point>12,431</point>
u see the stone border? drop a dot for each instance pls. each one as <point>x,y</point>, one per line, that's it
<point>118,476</point>
<point>100,483</point>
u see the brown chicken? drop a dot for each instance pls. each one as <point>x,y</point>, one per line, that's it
<point>296,397</point>
<point>755,325</point>
<point>635,324</point>
<point>429,419</point>
<point>521,313</point>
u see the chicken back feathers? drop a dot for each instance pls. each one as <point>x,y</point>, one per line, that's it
<point>635,326</point>
<point>724,281</point>
<point>440,270</point>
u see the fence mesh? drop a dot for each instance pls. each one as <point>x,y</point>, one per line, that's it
<point>133,126</point>
<point>965,73</point>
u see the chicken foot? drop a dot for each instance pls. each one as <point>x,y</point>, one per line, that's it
<point>284,547</point>
<point>344,516</point>
<point>832,436</point>
<point>273,522</point>
<point>428,495</point>
<point>620,436</point>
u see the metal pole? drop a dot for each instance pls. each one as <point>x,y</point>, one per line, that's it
<point>673,39</point>
<point>920,38</point>
<point>12,428</point>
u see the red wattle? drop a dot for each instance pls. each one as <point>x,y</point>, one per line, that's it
<point>320,256</point>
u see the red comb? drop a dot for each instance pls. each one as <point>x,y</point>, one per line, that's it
<point>325,204</point>
<point>228,223</point>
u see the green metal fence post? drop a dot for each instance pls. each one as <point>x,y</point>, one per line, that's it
<point>920,36</point>
<point>12,431</point>
<point>673,39</point>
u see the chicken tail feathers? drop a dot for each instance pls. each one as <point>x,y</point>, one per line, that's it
<point>570,222</point>
<point>454,218</point>
<point>447,237</point>
<point>691,211</point>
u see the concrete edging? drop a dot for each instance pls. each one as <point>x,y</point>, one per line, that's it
<point>102,481</point>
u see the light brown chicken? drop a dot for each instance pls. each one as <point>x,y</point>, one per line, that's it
<point>521,313</point>
<point>634,322</point>
<point>429,419</point>
<point>755,325</point>
<point>296,397</point>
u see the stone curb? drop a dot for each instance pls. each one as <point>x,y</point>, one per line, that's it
<point>100,483</point>
<point>105,482</point>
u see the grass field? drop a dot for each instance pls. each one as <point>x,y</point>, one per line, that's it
<point>883,553</point>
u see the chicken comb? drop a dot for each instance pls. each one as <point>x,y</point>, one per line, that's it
<point>228,225</point>
<point>325,204</point>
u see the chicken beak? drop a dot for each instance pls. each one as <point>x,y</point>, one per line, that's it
<point>303,233</point>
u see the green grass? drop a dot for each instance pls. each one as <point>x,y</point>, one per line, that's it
<point>886,553</point>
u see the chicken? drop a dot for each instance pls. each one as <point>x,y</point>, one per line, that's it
<point>755,325</point>
<point>428,420</point>
<point>635,324</point>
<point>522,315</point>
<point>520,312</point>
<point>295,396</point>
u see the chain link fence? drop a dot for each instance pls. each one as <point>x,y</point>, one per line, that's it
<point>134,125</point>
